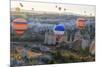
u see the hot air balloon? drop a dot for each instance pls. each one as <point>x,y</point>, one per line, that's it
<point>81,23</point>
<point>56,6</point>
<point>21,4</point>
<point>33,9</point>
<point>59,32</point>
<point>59,8</point>
<point>20,26</point>
<point>59,29</point>
<point>64,9</point>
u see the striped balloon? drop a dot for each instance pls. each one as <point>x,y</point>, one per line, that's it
<point>20,26</point>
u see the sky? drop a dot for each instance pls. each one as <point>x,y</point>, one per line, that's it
<point>51,7</point>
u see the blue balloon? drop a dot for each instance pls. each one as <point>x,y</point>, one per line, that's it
<point>59,28</point>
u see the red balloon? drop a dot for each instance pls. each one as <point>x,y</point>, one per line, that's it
<point>20,26</point>
<point>81,23</point>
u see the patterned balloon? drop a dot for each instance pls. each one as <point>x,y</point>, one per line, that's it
<point>20,25</point>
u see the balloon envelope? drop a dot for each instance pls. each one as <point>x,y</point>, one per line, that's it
<point>20,26</point>
<point>81,23</point>
<point>59,29</point>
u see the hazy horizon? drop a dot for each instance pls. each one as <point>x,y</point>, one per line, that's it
<point>51,7</point>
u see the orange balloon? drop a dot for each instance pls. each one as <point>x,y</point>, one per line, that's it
<point>81,23</point>
<point>20,26</point>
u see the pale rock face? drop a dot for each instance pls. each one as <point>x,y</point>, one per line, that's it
<point>92,48</point>
<point>49,38</point>
<point>84,44</point>
<point>78,36</point>
<point>77,44</point>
